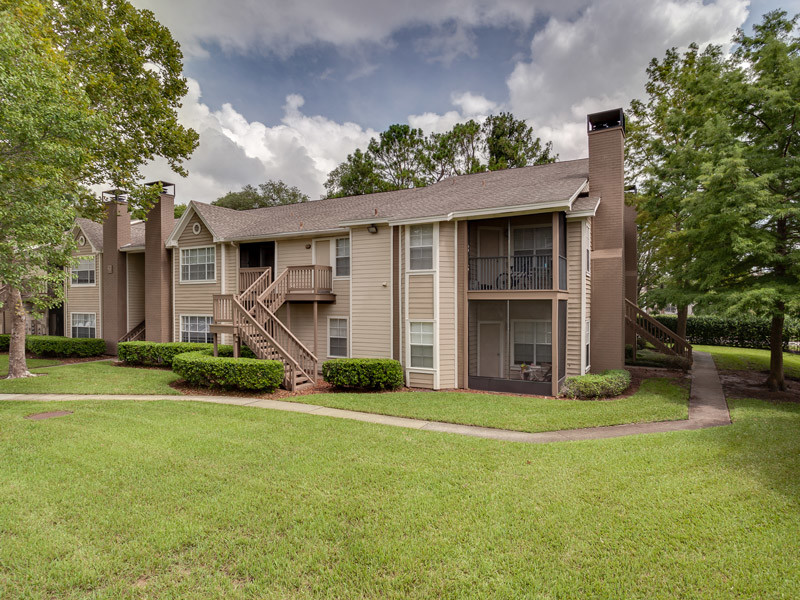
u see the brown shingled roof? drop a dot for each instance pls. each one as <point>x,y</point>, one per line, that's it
<point>93,232</point>
<point>542,184</point>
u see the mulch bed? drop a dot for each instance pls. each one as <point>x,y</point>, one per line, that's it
<point>750,384</point>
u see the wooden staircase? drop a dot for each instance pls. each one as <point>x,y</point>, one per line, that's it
<point>663,338</point>
<point>250,317</point>
<point>134,335</point>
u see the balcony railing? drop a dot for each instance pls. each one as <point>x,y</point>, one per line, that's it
<point>514,273</point>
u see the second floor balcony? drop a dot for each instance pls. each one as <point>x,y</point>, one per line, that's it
<point>511,273</point>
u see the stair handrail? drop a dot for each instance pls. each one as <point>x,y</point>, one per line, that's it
<point>134,334</point>
<point>309,357</point>
<point>254,287</point>
<point>684,348</point>
<point>288,360</point>
<point>275,295</point>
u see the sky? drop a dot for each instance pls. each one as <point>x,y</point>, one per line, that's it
<point>286,89</point>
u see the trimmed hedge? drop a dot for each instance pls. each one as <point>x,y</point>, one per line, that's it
<point>203,369</point>
<point>162,354</point>
<point>739,332</point>
<point>58,347</point>
<point>602,385</point>
<point>364,373</point>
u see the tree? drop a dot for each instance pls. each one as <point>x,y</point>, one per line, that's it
<point>354,177</point>
<point>743,222</point>
<point>271,193</point>
<point>663,145</point>
<point>399,156</point>
<point>107,80</point>
<point>46,136</point>
<point>403,157</point>
<point>510,143</point>
<point>180,209</point>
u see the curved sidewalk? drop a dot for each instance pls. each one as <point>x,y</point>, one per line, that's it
<point>707,408</point>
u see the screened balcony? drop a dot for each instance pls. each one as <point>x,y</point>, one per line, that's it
<point>517,253</point>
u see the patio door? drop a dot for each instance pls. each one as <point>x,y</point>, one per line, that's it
<point>490,349</point>
<point>491,264</point>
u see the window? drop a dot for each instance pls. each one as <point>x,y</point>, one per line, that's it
<point>337,337</point>
<point>197,264</point>
<point>421,338</point>
<point>529,241</point>
<point>532,342</point>
<point>588,262</point>
<point>196,329</point>
<point>83,273</point>
<point>343,257</point>
<point>84,325</point>
<point>420,248</point>
<point>588,358</point>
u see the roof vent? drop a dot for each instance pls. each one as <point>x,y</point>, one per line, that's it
<point>608,119</point>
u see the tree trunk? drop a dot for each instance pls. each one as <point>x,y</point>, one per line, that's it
<point>17,366</point>
<point>683,317</point>
<point>775,381</point>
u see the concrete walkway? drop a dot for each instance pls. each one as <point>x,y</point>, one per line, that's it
<point>707,408</point>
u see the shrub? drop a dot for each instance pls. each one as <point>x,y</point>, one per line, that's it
<point>203,369</point>
<point>740,332</point>
<point>364,373</point>
<point>59,347</point>
<point>5,342</point>
<point>602,385</point>
<point>162,354</point>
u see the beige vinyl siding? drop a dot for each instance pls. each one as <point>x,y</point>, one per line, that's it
<point>588,280</point>
<point>420,380</point>
<point>371,260</point>
<point>420,297</point>
<point>293,252</point>
<point>231,268</point>
<point>575,278</point>
<point>188,238</point>
<point>84,299</point>
<point>192,298</point>
<point>136,289</point>
<point>447,306</point>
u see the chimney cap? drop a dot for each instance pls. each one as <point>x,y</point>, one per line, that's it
<point>607,119</point>
<point>116,194</point>
<point>164,185</point>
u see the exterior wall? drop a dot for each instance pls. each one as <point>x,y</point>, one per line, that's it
<point>371,300</point>
<point>587,302</point>
<point>575,285</point>
<point>420,296</point>
<point>159,272</point>
<point>116,233</point>
<point>447,306</point>
<point>136,289</point>
<point>300,316</point>
<point>191,298</point>
<point>85,298</point>
<point>631,266</point>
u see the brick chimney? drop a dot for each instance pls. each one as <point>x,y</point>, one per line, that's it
<point>157,266</point>
<point>607,180</point>
<point>116,233</point>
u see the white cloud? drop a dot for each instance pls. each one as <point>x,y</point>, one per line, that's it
<point>598,60</point>
<point>233,151</point>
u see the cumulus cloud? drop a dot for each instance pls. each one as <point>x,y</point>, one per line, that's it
<point>598,60</point>
<point>301,150</point>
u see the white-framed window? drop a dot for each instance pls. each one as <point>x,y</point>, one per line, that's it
<point>588,338</point>
<point>342,261</point>
<point>84,325</point>
<point>337,337</point>
<point>420,247</point>
<point>421,341</point>
<point>84,272</point>
<point>531,342</point>
<point>196,329</point>
<point>198,264</point>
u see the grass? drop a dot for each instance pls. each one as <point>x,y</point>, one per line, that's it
<point>32,363</point>
<point>92,378</point>
<point>186,500</point>
<point>648,357</point>
<point>749,359</point>
<point>656,400</point>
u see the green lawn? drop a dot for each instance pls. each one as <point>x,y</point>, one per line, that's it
<point>32,363</point>
<point>749,359</point>
<point>92,378</point>
<point>187,500</point>
<point>656,400</point>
